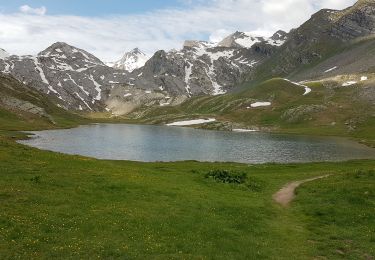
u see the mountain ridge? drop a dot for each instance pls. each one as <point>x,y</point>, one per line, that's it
<point>75,77</point>
<point>327,33</point>
<point>81,82</point>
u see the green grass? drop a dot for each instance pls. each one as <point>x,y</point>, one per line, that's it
<point>341,105</point>
<point>61,206</point>
<point>340,223</point>
<point>55,205</point>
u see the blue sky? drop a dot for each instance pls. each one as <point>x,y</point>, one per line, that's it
<point>108,28</point>
<point>93,7</point>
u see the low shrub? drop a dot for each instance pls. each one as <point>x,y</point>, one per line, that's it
<point>227,176</point>
<point>35,179</point>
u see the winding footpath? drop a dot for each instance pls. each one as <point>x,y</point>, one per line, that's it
<point>287,193</point>
<point>307,89</point>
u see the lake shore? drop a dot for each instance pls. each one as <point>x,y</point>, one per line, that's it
<point>64,200</point>
<point>56,205</point>
<point>171,143</point>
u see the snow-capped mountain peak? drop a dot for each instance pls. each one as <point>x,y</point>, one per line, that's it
<point>75,78</point>
<point>198,44</point>
<point>202,67</point>
<point>132,60</point>
<point>3,54</point>
<point>279,38</point>
<point>247,40</point>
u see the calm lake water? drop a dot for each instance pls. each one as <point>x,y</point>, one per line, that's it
<point>161,143</point>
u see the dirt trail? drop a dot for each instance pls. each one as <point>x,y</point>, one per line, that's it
<point>287,193</point>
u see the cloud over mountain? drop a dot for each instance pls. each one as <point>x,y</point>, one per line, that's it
<point>109,36</point>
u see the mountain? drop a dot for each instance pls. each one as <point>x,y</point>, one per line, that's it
<point>330,44</point>
<point>328,34</point>
<point>3,54</point>
<point>199,68</point>
<point>23,107</point>
<point>331,55</point>
<point>247,40</point>
<point>132,60</point>
<point>206,68</point>
<point>73,78</point>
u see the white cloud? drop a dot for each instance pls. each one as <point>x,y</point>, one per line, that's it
<point>108,37</point>
<point>219,35</point>
<point>29,10</point>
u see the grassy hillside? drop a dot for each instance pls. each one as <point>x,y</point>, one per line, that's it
<point>22,108</point>
<point>61,206</point>
<point>329,109</point>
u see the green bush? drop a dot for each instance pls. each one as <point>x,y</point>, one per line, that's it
<point>226,176</point>
<point>35,179</point>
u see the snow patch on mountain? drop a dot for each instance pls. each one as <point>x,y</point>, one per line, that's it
<point>349,83</point>
<point>307,89</point>
<point>331,69</point>
<point>40,70</point>
<point>248,39</point>
<point>97,88</point>
<point>131,61</point>
<point>260,104</point>
<point>188,72</point>
<point>192,122</point>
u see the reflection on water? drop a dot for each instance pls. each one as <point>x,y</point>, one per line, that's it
<point>162,143</point>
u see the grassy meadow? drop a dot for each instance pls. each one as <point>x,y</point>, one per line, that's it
<point>55,206</point>
<point>61,206</point>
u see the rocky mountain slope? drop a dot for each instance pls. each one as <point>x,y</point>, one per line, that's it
<point>76,79</point>
<point>132,60</point>
<point>328,34</point>
<point>199,68</point>
<point>206,68</point>
<point>330,44</point>
<point>22,107</point>
<point>322,82</point>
